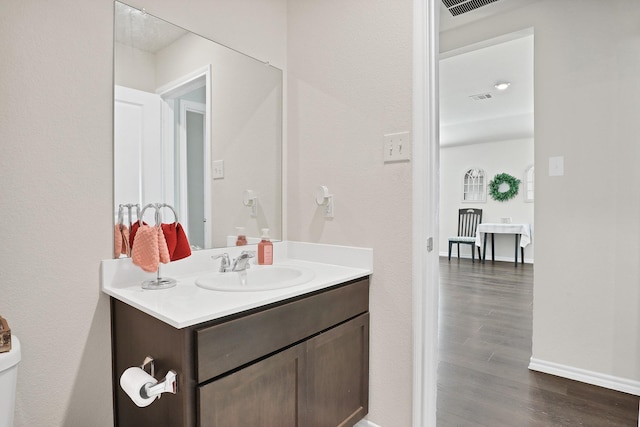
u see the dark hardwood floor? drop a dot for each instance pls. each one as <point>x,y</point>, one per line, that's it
<point>485,346</point>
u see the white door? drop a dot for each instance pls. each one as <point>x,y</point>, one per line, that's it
<point>137,147</point>
<point>194,184</point>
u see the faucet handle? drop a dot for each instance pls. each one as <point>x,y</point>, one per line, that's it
<point>225,263</point>
<point>242,262</point>
<point>248,254</point>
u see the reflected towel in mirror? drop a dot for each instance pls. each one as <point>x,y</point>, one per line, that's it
<point>121,241</point>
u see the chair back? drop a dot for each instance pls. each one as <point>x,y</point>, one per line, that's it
<point>468,220</point>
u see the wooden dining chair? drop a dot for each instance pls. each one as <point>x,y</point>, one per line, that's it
<point>468,220</point>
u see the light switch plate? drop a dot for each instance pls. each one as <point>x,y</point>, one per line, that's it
<point>397,147</point>
<point>218,169</point>
<point>556,166</point>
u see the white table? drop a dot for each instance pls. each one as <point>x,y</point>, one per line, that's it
<point>522,234</point>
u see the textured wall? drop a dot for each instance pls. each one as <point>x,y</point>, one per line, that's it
<point>56,194</point>
<point>349,66</point>
<point>56,108</point>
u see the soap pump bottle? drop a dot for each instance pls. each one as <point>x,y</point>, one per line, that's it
<point>265,249</point>
<point>242,237</point>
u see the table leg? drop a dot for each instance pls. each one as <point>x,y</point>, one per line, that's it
<point>517,244</point>
<point>493,248</point>
<point>484,249</point>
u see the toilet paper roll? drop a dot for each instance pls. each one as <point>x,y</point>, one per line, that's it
<point>133,380</point>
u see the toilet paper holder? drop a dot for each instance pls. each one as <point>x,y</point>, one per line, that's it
<point>168,385</point>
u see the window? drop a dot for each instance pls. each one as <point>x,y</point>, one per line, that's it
<point>528,184</point>
<point>474,186</point>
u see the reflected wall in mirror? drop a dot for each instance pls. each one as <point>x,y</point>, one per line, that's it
<point>196,125</point>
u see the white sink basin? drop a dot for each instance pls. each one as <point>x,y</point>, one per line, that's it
<point>256,278</point>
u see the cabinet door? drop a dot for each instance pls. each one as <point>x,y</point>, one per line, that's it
<point>265,394</point>
<point>338,375</point>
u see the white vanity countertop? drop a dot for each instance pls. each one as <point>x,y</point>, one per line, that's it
<point>187,304</point>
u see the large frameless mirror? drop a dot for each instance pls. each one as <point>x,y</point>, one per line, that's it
<point>197,126</point>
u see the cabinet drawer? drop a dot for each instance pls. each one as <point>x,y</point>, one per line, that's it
<point>226,346</point>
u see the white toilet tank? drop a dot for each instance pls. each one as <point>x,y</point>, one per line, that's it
<point>8,376</point>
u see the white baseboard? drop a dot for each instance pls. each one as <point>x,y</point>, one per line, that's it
<point>498,257</point>
<point>365,423</point>
<point>590,377</point>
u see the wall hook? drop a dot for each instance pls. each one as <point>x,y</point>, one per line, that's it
<point>250,200</point>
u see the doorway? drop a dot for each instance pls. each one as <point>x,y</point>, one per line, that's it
<point>187,152</point>
<point>426,196</point>
<point>193,169</point>
<point>487,127</point>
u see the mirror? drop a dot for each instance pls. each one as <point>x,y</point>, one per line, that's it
<point>197,126</point>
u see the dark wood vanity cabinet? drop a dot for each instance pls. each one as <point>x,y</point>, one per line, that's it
<point>301,362</point>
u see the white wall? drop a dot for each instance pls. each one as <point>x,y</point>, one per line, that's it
<point>511,157</point>
<point>246,132</point>
<point>349,66</point>
<point>135,68</point>
<point>56,129</point>
<point>56,195</point>
<point>586,293</point>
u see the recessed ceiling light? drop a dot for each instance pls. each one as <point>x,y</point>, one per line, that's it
<point>502,85</point>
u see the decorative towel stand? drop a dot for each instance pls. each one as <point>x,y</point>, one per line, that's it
<point>159,282</point>
<point>129,207</point>
<point>122,242</point>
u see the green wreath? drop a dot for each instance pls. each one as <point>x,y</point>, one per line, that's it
<point>497,181</point>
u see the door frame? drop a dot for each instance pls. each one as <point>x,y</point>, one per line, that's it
<point>169,92</point>
<point>425,195</point>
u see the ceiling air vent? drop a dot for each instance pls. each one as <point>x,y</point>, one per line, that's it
<point>481,96</point>
<point>458,7</point>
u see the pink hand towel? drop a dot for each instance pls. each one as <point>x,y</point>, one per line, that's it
<point>121,242</point>
<point>126,248</point>
<point>133,231</point>
<point>117,242</point>
<point>145,252</point>
<point>163,250</point>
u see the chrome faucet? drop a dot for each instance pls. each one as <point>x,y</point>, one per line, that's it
<point>224,264</point>
<point>242,262</point>
<point>239,264</point>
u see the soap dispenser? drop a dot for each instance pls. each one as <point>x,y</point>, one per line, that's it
<point>265,249</point>
<point>242,237</point>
